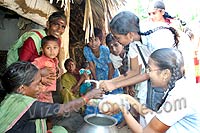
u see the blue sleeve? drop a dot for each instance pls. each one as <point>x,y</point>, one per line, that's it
<point>106,53</point>
<point>87,53</point>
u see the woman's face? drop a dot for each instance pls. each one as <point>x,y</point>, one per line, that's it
<point>71,67</point>
<point>115,48</point>
<point>126,39</point>
<point>156,15</point>
<point>157,76</point>
<point>34,88</point>
<point>56,28</point>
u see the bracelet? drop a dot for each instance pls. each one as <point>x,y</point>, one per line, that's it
<point>85,99</point>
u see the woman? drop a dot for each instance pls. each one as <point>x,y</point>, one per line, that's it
<point>71,81</point>
<point>126,29</point>
<point>180,111</point>
<point>20,112</point>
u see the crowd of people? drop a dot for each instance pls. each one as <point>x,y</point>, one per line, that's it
<point>148,63</point>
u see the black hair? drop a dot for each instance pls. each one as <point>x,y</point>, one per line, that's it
<point>110,38</point>
<point>67,61</point>
<point>17,74</point>
<point>125,22</point>
<point>85,64</point>
<point>57,15</point>
<point>98,33</point>
<point>173,30</point>
<point>172,59</point>
<point>48,38</point>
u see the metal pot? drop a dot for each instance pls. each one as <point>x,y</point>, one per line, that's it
<point>99,123</point>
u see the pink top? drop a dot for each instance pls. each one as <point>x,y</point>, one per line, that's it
<point>41,62</point>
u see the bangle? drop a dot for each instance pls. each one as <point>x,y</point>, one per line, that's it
<point>85,99</point>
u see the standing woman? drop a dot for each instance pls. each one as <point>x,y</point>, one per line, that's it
<point>125,28</point>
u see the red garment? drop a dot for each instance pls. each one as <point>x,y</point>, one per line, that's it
<point>28,51</point>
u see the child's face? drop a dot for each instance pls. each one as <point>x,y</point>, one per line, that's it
<point>94,43</point>
<point>115,48</point>
<point>71,67</point>
<point>51,49</point>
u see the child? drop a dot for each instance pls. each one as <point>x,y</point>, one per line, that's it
<point>101,66</point>
<point>85,87</point>
<point>69,80</point>
<point>50,50</point>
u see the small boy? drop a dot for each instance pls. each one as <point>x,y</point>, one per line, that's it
<point>50,49</point>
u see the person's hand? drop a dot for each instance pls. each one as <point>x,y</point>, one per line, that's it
<point>46,71</point>
<point>48,76</point>
<point>59,72</point>
<point>94,94</point>
<point>107,85</point>
<point>75,89</point>
<point>129,90</point>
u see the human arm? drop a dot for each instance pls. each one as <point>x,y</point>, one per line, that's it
<point>75,89</point>
<point>112,84</point>
<point>44,110</point>
<point>59,72</point>
<point>134,70</point>
<point>93,70</point>
<point>111,70</point>
<point>156,126</point>
<point>48,75</point>
<point>88,55</point>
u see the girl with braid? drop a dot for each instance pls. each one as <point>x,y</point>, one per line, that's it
<point>179,112</point>
<point>125,28</point>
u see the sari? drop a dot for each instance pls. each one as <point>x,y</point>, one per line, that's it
<point>13,107</point>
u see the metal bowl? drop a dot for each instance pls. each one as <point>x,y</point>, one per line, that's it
<point>99,123</point>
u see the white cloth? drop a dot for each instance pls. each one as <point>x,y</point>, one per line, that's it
<point>181,109</point>
<point>116,60</point>
<point>162,38</point>
<point>140,87</point>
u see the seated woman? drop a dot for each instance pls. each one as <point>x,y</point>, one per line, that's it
<point>180,111</point>
<point>69,80</point>
<point>20,112</point>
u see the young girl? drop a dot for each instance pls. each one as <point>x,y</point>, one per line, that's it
<point>180,110</point>
<point>50,50</point>
<point>100,65</point>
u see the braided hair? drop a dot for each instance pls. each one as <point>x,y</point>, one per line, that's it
<point>172,59</point>
<point>174,32</point>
